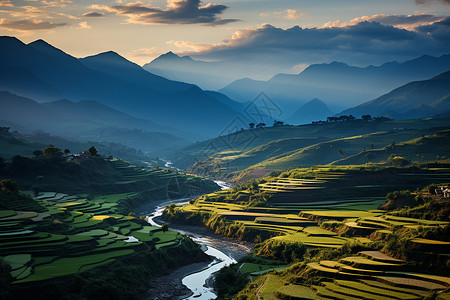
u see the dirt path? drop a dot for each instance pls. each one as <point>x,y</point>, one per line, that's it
<point>262,285</point>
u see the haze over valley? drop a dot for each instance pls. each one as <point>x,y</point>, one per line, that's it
<point>190,149</point>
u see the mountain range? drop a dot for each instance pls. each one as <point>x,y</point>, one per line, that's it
<point>416,99</point>
<point>42,72</point>
<point>86,121</point>
<point>107,97</point>
<point>313,110</point>
<point>337,84</point>
<point>210,75</point>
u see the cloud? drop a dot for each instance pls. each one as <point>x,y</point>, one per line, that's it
<point>400,21</point>
<point>6,3</point>
<point>93,14</point>
<point>27,25</point>
<point>288,14</point>
<point>424,2</point>
<point>362,43</point>
<point>84,25</point>
<point>176,12</point>
<point>291,14</point>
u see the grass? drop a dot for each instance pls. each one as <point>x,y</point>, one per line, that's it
<point>389,288</point>
<point>293,291</point>
<point>366,262</point>
<point>322,291</point>
<point>271,286</point>
<point>68,266</point>
<point>353,292</point>
<point>248,267</point>
<point>305,239</point>
<point>7,213</point>
<point>411,283</point>
<point>17,261</point>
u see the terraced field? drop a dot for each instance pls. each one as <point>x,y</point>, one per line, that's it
<point>369,275</point>
<point>95,235</point>
<point>295,208</point>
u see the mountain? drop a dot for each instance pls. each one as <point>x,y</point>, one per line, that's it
<point>113,81</point>
<point>113,64</point>
<point>85,121</point>
<point>414,100</point>
<point>314,110</point>
<point>205,74</point>
<point>211,75</point>
<point>339,84</point>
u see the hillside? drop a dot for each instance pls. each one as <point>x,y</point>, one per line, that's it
<point>314,110</point>
<point>418,99</point>
<point>422,149</point>
<point>323,232</point>
<point>87,121</point>
<point>77,225</point>
<point>25,144</point>
<point>111,80</point>
<point>263,150</point>
<point>338,84</point>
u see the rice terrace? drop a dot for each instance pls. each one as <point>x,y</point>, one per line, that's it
<point>230,150</point>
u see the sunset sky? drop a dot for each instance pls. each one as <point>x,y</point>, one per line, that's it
<point>363,31</point>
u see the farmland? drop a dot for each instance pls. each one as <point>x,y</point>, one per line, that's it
<point>325,227</point>
<point>255,153</point>
<point>51,240</point>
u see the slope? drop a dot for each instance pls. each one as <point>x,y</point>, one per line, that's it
<point>75,81</point>
<point>339,84</point>
<point>314,110</point>
<point>410,99</point>
<point>86,120</point>
<point>422,149</point>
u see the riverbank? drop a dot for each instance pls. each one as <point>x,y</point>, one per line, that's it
<point>171,286</point>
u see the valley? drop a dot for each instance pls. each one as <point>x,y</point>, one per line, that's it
<point>173,150</point>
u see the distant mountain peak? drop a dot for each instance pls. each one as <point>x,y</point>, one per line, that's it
<point>313,110</point>
<point>315,100</point>
<point>50,50</point>
<point>168,55</point>
<point>108,55</point>
<point>41,44</point>
<point>10,40</point>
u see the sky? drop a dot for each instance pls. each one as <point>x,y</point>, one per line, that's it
<point>288,33</point>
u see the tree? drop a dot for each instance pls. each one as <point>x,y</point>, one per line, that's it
<point>251,125</point>
<point>366,117</point>
<point>92,151</point>
<point>66,151</point>
<point>52,152</point>
<point>9,186</point>
<point>37,153</point>
<point>4,131</point>
<point>165,227</point>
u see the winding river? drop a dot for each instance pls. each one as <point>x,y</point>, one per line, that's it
<point>224,251</point>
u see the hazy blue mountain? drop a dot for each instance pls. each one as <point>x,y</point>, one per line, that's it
<point>84,121</point>
<point>237,106</point>
<point>414,100</point>
<point>113,64</point>
<point>102,114</point>
<point>208,75</point>
<point>314,110</point>
<point>111,80</point>
<point>339,84</point>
